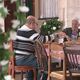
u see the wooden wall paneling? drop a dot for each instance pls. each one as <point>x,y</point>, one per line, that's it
<point>12,8</point>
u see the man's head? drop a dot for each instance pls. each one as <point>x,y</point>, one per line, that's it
<point>75,24</point>
<point>31,22</point>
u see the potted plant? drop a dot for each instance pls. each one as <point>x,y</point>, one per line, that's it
<point>50,26</point>
<point>4,55</point>
<point>6,36</point>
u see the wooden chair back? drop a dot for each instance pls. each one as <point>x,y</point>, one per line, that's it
<point>12,68</point>
<point>41,54</point>
<point>72,56</point>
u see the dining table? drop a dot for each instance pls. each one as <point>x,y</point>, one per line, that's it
<point>55,50</point>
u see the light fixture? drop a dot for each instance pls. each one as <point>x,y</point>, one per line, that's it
<point>23,9</point>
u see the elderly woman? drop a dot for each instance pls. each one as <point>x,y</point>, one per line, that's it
<point>71,32</point>
<point>74,30</point>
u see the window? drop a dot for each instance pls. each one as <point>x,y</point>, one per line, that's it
<point>48,8</point>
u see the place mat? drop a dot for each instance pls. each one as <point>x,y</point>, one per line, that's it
<point>71,43</point>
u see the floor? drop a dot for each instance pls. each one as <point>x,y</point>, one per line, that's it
<point>18,76</point>
<point>54,68</point>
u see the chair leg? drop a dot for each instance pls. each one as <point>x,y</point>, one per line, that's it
<point>70,75</point>
<point>21,75</point>
<point>9,68</point>
<point>9,71</point>
<point>13,73</point>
<point>49,78</point>
<point>34,71</point>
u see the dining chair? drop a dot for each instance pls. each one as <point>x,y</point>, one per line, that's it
<point>72,56</point>
<point>42,59</point>
<point>56,74</point>
<point>13,68</point>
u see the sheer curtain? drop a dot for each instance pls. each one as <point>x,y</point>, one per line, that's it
<point>48,8</point>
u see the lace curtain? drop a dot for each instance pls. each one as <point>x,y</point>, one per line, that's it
<point>48,8</point>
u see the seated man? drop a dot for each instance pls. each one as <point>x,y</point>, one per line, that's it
<point>27,33</point>
<point>74,30</point>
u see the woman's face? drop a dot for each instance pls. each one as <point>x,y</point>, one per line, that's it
<point>75,24</point>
